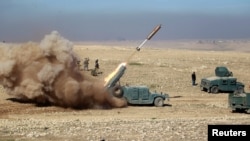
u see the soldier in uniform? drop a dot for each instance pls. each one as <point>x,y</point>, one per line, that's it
<point>86,64</point>
<point>95,71</point>
<point>193,76</point>
<point>96,64</point>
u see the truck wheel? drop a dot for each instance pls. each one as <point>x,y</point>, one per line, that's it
<point>214,89</point>
<point>117,91</point>
<point>158,102</point>
<point>239,110</point>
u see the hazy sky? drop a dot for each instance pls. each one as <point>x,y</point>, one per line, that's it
<point>84,20</point>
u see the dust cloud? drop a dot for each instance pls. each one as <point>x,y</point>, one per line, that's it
<point>46,73</point>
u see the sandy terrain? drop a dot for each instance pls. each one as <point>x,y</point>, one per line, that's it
<point>162,66</point>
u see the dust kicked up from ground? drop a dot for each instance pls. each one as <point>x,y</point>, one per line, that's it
<point>47,73</point>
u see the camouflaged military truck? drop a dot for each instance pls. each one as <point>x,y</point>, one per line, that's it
<point>222,82</point>
<point>239,102</point>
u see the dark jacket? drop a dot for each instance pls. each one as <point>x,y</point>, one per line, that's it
<point>193,76</point>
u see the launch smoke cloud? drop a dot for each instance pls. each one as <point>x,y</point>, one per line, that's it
<point>46,73</point>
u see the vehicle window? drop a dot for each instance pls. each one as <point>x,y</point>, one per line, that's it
<point>224,82</point>
<point>145,94</point>
<point>233,82</point>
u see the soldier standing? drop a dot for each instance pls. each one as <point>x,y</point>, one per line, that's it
<point>193,76</point>
<point>95,72</point>
<point>86,64</point>
<point>96,64</point>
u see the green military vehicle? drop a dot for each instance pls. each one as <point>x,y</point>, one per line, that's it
<point>134,95</point>
<point>141,95</point>
<point>222,82</point>
<point>239,102</point>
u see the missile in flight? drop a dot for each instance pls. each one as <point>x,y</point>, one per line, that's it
<point>156,29</point>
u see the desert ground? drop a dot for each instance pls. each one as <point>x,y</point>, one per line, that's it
<point>163,66</point>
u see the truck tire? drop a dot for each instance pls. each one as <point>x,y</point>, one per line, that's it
<point>158,102</point>
<point>215,89</point>
<point>117,91</point>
